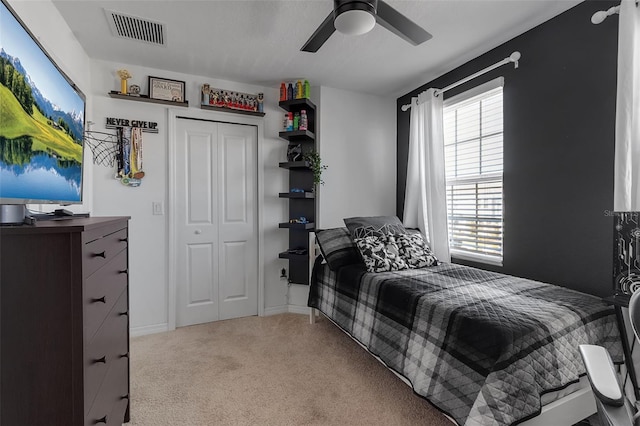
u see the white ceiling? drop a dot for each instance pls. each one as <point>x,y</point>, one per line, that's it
<point>258,42</point>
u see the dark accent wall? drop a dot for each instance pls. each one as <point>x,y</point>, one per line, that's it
<point>559,122</point>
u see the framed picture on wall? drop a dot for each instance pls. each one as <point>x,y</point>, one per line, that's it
<point>166,90</point>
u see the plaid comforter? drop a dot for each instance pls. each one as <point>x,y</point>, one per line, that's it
<point>481,346</point>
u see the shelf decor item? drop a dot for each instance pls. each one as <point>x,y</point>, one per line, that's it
<point>124,76</point>
<point>134,90</point>
<point>166,90</point>
<point>260,102</point>
<point>205,94</point>
<point>315,164</point>
<point>239,101</point>
<point>294,153</point>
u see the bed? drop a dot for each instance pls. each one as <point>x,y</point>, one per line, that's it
<point>482,347</point>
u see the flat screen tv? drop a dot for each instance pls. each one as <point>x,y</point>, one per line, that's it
<point>42,120</point>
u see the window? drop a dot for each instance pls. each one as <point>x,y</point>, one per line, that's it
<point>473,139</point>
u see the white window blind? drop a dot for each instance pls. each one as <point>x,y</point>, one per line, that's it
<point>473,138</point>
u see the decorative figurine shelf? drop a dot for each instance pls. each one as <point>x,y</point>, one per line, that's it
<point>232,110</point>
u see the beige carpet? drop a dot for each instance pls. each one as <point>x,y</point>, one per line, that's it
<point>276,370</point>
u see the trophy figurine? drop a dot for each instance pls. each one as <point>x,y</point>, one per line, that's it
<point>124,76</point>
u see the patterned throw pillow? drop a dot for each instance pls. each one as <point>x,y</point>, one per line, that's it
<point>380,253</point>
<point>414,251</point>
<point>360,227</point>
<point>337,248</point>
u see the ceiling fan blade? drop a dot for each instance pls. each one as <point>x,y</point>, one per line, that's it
<point>400,25</point>
<point>321,35</point>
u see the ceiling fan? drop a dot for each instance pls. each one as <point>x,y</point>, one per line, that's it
<point>354,17</point>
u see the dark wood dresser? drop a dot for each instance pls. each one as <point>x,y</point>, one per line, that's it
<point>64,323</point>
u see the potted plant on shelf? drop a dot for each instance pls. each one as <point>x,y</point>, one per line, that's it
<point>315,164</point>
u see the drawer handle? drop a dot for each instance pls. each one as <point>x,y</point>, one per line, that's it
<point>101,254</point>
<point>125,355</point>
<point>124,271</point>
<point>123,314</point>
<point>124,397</point>
<point>102,420</point>
<point>102,360</point>
<point>123,240</point>
<point>102,299</point>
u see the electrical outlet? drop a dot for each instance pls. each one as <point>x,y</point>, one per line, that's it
<point>283,274</point>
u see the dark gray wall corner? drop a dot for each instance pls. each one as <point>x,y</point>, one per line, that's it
<point>559,123</point>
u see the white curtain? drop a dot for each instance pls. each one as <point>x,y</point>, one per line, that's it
<point>627,153</point>
<point>425,201</point>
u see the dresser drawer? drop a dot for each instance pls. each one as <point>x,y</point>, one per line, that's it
<point>99,252</point>
<point>109,345</point>
<point>111,402</point>
<point>101,291</point>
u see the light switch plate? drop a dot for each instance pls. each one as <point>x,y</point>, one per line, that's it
<point>157,208</point>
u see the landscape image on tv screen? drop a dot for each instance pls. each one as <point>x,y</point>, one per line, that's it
<point>41,122</point>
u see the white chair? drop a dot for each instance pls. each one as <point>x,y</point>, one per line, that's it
<point>614,408</point>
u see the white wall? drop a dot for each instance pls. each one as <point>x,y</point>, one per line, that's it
<point>52,32</point>
<point>149,279</point>
<point>357,141</point>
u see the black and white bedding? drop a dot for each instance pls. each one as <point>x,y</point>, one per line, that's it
<point>481,346</point>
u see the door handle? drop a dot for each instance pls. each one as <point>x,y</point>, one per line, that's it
<point>198,232</point>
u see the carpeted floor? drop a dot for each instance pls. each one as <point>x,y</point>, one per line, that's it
<point>276,370</point>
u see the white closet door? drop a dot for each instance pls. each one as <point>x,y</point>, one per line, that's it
<point>237,202</point>
<point>216,229</point>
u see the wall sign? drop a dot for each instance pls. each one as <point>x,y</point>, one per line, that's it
<point>146,126</point>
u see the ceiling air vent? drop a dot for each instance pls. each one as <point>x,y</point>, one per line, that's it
<point>132,27</point>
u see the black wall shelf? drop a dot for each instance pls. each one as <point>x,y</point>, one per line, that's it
<point>291,256</point>
<point>301,204</point>
<point>118,95</point>
<point>294,105</point>
<point>307,195</point>
<point>233,111</point>
<point>295,165</point>
<point>306,226</point>
<point>298,136</point>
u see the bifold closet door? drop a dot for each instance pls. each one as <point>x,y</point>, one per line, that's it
<point>216,221</point>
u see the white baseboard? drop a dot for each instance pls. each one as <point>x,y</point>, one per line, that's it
<point>297,309</point>
<point>275,310</point>
<point>148,329</point>
<point>292,309</point>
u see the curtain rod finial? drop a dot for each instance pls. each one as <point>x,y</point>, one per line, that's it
<point>515,57</point>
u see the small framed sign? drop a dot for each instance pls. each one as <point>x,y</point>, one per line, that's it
<point>166,90</point>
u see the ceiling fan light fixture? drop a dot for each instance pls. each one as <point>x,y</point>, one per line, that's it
<point>355,18</point>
